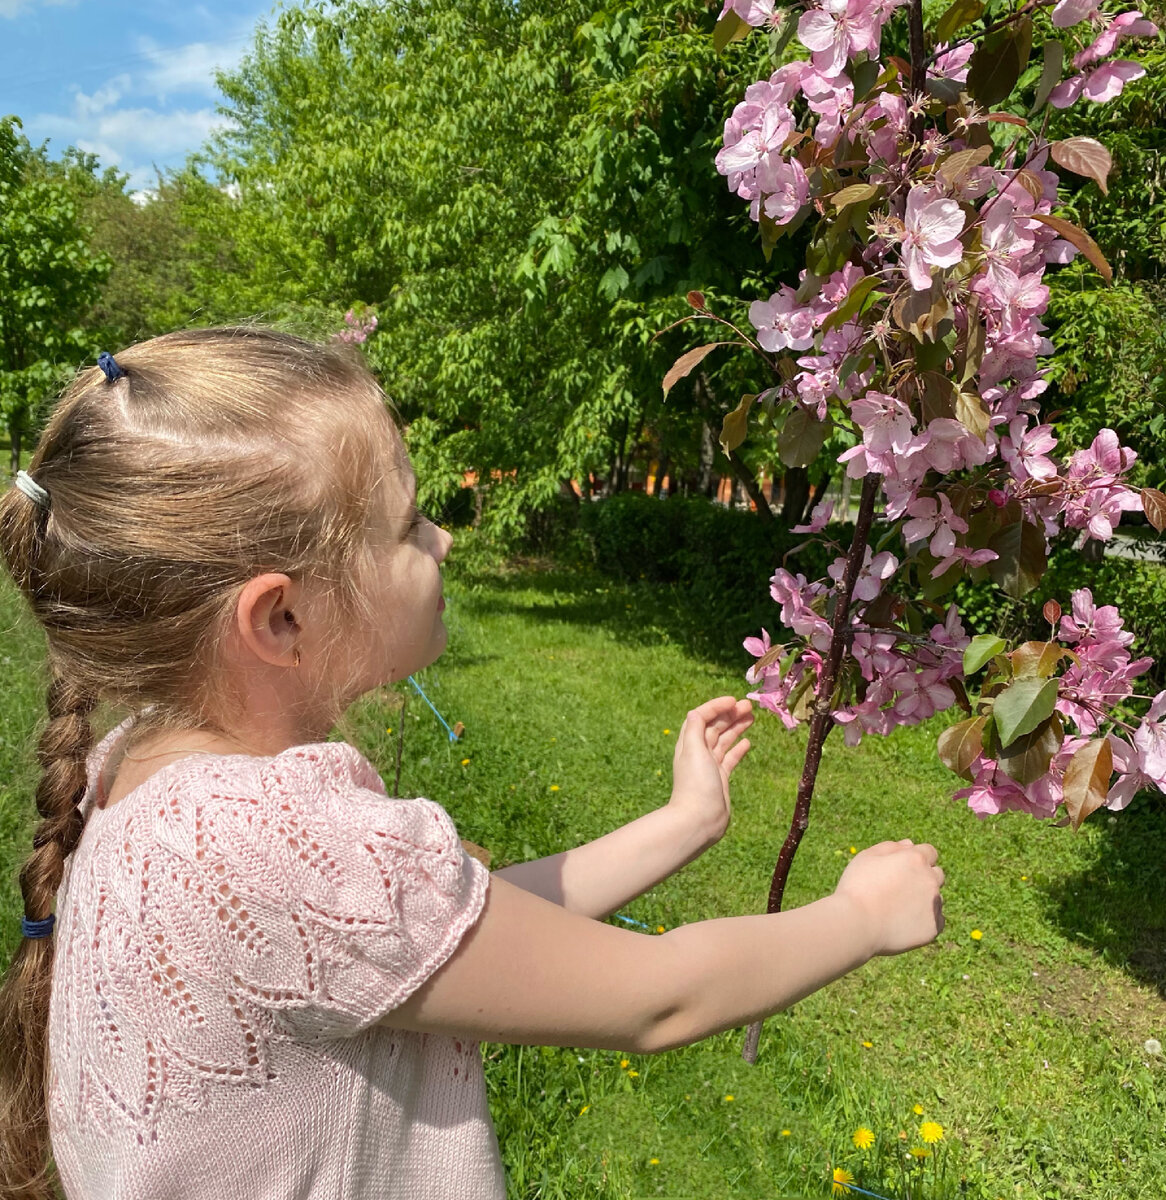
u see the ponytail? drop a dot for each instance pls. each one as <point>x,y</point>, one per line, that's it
<point>24,993</point>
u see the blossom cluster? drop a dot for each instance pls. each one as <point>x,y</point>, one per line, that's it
<point>917,335</point>
<point>358,326</point>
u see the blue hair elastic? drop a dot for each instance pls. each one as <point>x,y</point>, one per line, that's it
<point>37,929</point>
<point>108,364</point>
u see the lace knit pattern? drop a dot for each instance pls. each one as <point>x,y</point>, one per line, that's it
<point>230,934</point>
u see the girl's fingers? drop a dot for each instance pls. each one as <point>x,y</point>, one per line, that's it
<point>734,755</point>
<point>731,734</point>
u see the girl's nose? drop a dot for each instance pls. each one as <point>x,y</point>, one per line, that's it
<point>444,542</point>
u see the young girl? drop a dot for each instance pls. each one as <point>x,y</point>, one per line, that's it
<point>267,979</point>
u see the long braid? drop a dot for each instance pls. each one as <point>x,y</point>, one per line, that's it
<point>24,998</point>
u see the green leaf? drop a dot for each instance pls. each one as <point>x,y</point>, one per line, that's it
<point>961,745</point>
<point>1050,76</point>
<point>1022,706</point>
<point>982,649</point>
<point>972,413</point>
<point>1036,660</point>
<point>1021,560</point>
<point>856,301</point>
<point>736,424</point>
<point>1086,783</point>
<point>961,13</point>
<point>855,193</point>
<point>730,28</point>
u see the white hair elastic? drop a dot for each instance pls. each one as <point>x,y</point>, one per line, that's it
<point>32,489</point>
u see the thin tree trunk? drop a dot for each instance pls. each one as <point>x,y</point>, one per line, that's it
<point>748,481</point>
<point>821,722</point>
<point>708,452</point>
<point>797,495</point>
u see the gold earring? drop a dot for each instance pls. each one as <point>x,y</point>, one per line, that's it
<point>296,657</point>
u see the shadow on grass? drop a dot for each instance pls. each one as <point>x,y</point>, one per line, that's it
<point>1117,906</point>
<point>635,612</point>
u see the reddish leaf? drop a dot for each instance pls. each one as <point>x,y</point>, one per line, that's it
<point>1008,119</point>
<point>1052,611</point>
<point>1028,757</point>
<point>1031,184</point>
<point>955,166</point>
<point>1022,560</point>
<point>696,299</point>
<point>1079,238</point>
<point>961,745</point>
<point>801,438</point>
<point>1086,783</point>
<point>1035,659</point>
<point>689,359</point>
<point>1154,506</point>
<point>1084,156</point>
<point>995,67</point>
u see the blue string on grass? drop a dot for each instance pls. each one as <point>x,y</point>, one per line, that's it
<point>629,921</point>
<point>452,736</point>
<point>853,1187</point>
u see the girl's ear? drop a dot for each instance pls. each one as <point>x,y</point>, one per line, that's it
<point>266,621</point>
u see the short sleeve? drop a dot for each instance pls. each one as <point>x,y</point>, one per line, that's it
<point>334,902</point>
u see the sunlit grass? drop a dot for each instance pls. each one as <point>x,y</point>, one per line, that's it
<point>1026,1044</point>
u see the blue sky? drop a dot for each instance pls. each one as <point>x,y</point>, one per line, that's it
<point>129,80</point>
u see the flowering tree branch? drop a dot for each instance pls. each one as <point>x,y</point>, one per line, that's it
<point>914,336</point>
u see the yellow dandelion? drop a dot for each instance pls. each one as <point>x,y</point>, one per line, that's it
<point>931,1132</point>
<point>863,1138</point>
<point>920,1152</point>
<point>389,730</point>
<point>659,928</point>
<point>842,1181</point>
<point>918,1110</point>
<point>1023,878</point>
<point>868,1045</point>
<point>730,1098</point>
<point>785,1133</point>
<point>976,935</point>
<point>625,1063</point>
<point>554,787</point>
<point>853,849</point>
<point>584,1109</point>
<point>667,730</point>
<point>465,762</point>
<point>653,1162</point>
<point>633,1074</point>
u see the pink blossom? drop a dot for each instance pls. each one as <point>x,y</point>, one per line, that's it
<point>818,518</point>
<point>931,235</point>
<point>1094,497</point>
<point>1127,24</point>
<point>1073,12</point>
<point>784,188</point>
<point>781,322</point>
<point>951,64</point>
<point>1025,452</point>
<point>935,519</point>
<point>839,29</point>
<point>1102,84</point>
<point>885,421</point>
<point>1093,626</point>
<point>875,571</point>
<point>752,12</point>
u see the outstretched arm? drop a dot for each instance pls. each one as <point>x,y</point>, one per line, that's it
<point>530,973</point>
<point>599,877</point>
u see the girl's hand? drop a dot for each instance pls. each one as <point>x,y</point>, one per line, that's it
<point>895,887</point>
<point>710,745</point>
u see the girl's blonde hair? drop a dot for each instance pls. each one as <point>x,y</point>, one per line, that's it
<point>222,454</point>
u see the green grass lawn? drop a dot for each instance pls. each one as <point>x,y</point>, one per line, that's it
<point>1026,1045</point>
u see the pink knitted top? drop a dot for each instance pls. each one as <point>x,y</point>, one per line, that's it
<point>229,935</point>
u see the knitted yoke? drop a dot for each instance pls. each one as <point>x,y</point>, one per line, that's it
<point>230,936</point>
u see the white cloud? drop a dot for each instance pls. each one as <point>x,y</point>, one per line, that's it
<point>190,68</point>
<point>103,98</point>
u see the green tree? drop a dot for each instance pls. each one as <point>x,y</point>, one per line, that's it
<point>49,276</point>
